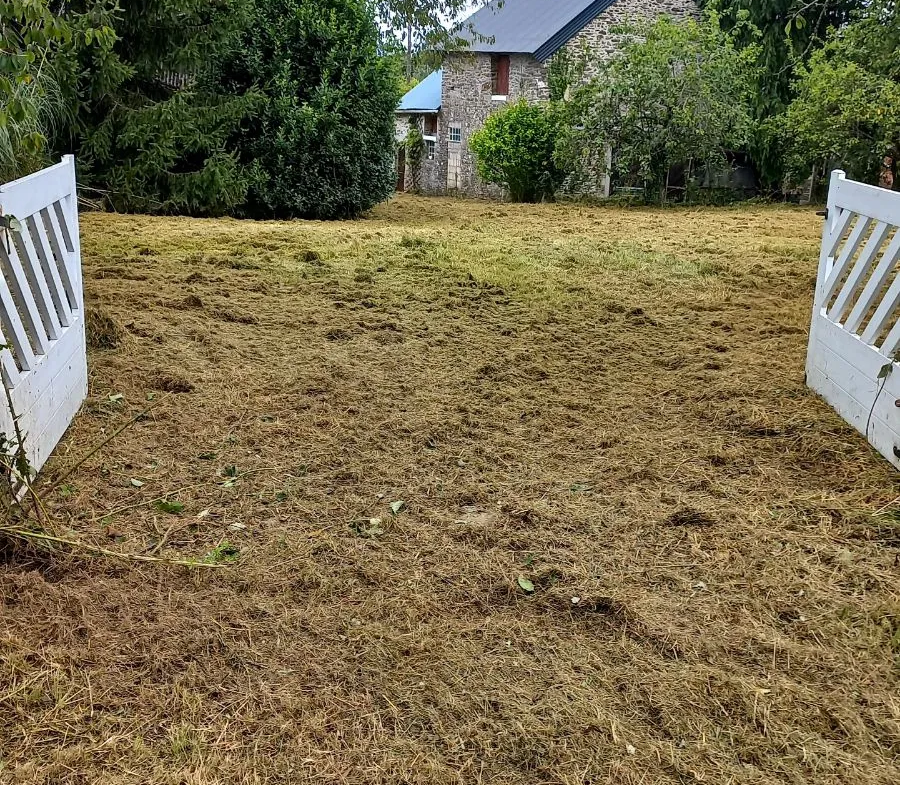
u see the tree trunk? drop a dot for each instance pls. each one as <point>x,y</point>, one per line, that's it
<point>409,49</point>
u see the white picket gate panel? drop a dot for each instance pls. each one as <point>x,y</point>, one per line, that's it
<point>854,340</point>
<point>44,368</point>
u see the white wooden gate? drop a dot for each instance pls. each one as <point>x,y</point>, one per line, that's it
<point>855,334</point>
<point>44,367</point>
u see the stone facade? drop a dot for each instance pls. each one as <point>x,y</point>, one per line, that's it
<point>467,100</point>
<point>598,39</point>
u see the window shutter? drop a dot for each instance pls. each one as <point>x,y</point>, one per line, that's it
<point>503,75</point>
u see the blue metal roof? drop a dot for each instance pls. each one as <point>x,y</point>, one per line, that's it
<point>536,27</point>
<point>424,97</point>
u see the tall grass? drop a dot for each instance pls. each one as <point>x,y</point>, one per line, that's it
<point>44,113</point>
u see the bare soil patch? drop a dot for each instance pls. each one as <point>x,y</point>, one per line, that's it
<point>606,403</point>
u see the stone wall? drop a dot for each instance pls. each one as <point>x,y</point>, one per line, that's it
<point>597,39</point>
<point>467,102</point>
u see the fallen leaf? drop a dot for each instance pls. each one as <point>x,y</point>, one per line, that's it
<point>368,527</point>
<point>171,507</point>
<point>397,506</point>
<point>525,584</point>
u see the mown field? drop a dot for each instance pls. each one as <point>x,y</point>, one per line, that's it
<point>388,432</point>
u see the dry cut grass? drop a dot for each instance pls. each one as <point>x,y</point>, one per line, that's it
<point>604,404</point>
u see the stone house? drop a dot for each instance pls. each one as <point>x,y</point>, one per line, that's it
<point>510,43</point>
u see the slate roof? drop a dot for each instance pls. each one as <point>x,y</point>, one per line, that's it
<point>425,97</point>
<point>536,27</point>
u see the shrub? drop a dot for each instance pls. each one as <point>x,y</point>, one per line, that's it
<point>323,142</point>
<point>514,149</point>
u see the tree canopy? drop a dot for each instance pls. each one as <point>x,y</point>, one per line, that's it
<point>674,94</point>
<point>847,109</point>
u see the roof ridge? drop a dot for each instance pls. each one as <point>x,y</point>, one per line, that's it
<point>529,26</point>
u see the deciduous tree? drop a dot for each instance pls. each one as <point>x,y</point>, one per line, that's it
<point>673,94</point>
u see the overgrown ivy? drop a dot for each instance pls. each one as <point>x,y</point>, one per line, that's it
<point>415,153</point>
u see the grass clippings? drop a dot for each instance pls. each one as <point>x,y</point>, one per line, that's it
<point>605,405</point>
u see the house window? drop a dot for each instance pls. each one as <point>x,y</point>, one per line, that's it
<point>430,125</point>
<point>455,134</point>
<point>429,149</point>
<point>500,75</point>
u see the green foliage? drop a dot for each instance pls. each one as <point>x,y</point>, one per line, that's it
<point>784,34</point>
<point>564,71</point>
<point>415,151</point>
<point>847,109</point>
<point>675,94</point>
<point>31,102</point>
<point>23,133</point>
<point>514,149</point>
<point>323,139</point>
<point>422,28</point>
<point>147,131</point>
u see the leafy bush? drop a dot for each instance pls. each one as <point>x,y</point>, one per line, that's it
<point>847,109</point>
<point>514,149</point>
<point>674,94</point>
<point>415,152</point>
<point>323,141</point>
<point>32,105</point>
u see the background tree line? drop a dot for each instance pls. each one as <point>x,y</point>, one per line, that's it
<point>278,108</point>
<point>249,107</point>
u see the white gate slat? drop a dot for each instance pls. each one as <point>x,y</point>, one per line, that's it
<point>840,266</point>
<point>859,271</point>
<point>883,313</point>
<point>10,374</point>
<point>51,271</point>
<point>64,225</point>
<point>838,230</point>
<point>892,343</point>
<point>55,236</point>
<point>14,329</point>
<point>875,284</point>
<point>41,310</point>
<point>35,275</point>
<point>24,298</point>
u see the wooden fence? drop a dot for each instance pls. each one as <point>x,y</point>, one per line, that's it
<point>855,334</point>
<point>44,365</point>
